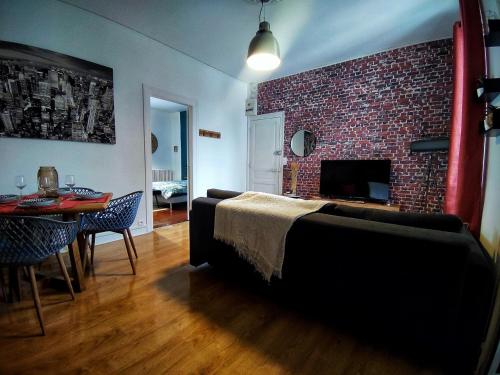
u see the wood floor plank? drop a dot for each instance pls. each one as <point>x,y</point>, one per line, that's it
<point>162,217</point>
<point>173,318</point>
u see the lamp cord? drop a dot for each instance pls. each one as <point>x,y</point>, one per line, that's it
<point>260,13</point>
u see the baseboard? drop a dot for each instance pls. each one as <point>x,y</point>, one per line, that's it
<point>102,238</point>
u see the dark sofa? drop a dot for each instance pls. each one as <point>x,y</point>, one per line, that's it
<point>422,279</point>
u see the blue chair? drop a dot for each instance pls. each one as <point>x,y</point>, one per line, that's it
<point>26,241</point>
<point>118,218</point>
<point>82,190</point>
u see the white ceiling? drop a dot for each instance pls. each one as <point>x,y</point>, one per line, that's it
<point>311,33</point>
<point>165,105</point>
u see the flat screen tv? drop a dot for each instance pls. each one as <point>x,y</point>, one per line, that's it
<point>366,180</point>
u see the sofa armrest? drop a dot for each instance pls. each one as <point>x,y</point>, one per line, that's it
<point>222,194</point>
<point>201,229</point>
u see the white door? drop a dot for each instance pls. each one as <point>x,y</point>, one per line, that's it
<point>265,153</point>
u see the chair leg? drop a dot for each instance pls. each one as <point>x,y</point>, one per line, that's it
<point>84,253</point>
<point>128,251</point>
<point>131,239</point>
<point>2,285</point>
<point>14,284</point>
<point>157,204</point>
<point>92,247</point>
<point>36,299</point>
<point>64,271</point>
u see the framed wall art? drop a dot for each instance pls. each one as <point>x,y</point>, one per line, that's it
<point>49,95</point>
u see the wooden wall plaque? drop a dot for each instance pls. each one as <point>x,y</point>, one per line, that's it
<point>209,134</point>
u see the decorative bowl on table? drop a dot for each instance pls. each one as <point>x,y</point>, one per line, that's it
<point>36,202</point>
<point>7,198</point>
<point>89,195</point>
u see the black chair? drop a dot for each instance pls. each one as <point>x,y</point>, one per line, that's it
<point>26,241</point>
<point>118,218</point>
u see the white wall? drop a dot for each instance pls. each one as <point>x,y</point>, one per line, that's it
<point>136,60</point>
<point>167,128</point>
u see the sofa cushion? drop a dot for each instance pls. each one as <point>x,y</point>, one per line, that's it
<point>222,194</point>
<point>447,223</point>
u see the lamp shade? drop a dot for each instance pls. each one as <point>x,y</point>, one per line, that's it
<point>264,50</point>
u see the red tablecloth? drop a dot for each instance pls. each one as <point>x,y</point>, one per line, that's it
<point>64,202</point>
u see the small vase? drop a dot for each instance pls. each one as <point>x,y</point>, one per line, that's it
<point>48,182</point>
<point>294,173</point>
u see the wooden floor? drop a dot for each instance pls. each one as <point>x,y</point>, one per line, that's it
<point>163,217</point>
<point>173,318</point>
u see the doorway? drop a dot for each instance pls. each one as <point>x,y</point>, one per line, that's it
<point>169,161</point>
<point>168,148</point>
<point>265,153</point>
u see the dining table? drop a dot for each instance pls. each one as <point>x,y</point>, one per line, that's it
<point>69,207</point>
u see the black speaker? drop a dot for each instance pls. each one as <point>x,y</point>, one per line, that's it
<point>430,145</point>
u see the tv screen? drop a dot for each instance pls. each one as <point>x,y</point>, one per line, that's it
<point>356,179</point>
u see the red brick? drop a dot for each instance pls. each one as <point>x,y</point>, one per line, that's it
<point>371,108</point>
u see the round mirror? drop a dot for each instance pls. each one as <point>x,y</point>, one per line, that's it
<point>303,143</point>
<point>154,143</point>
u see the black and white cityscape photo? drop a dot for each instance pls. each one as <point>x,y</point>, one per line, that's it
<point>48,95</point>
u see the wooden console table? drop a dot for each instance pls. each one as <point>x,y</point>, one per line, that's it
<point>361,204</point>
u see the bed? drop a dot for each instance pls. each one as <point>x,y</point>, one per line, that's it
<point>171,191</point>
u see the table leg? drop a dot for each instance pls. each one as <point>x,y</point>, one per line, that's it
<point>76,267</point>
<point>83,246</point>
<point>75,258</point>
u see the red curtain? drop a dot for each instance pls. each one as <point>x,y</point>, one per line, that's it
<point>465,160</point>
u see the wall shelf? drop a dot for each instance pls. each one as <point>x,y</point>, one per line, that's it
<point>493,37</point>
<point>491,124</point>
<point>491,88</point>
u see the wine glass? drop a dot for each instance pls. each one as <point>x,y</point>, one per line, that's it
<point>69,181</point>
<point>20,184</point>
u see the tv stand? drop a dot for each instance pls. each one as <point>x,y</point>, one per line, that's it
<point>360,204</point>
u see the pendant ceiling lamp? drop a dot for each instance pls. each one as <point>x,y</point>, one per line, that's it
<point>264,50</point>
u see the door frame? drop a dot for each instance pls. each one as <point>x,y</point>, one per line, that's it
<point>192,104</point>
<point>265,116</point>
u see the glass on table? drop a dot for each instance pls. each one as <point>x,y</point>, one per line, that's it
<point>69,181</point>
<point>20,184</point>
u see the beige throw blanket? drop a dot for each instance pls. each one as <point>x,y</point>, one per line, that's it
<point>256,224</point>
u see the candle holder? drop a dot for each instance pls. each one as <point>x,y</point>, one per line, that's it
<point>294,166</point>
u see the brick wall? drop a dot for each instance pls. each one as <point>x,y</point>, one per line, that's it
<point>371,108</point>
